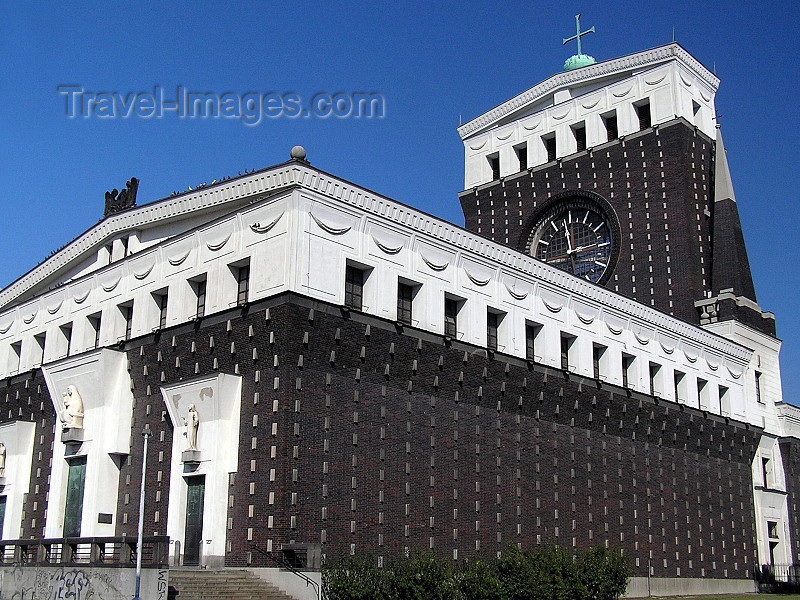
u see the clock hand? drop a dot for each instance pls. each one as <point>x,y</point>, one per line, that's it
<point>569,242</point>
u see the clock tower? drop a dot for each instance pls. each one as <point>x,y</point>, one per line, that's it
<point>615,171</point>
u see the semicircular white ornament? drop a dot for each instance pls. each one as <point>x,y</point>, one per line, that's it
<point>218,245</point>
<point>643,340</point>
<point>479,146</point>
<point>328,228</point>
<point>7,327</point>
<point>29,320</point>
<point>476,281</point>
<point>434,266</point>
<point>178,260</point>
<point>614,330</point>
<point>552,307</point>
<point>686,82</point>
<point>561,116</point>
<point>56,308</point>
<point>622,93</point>
<point>532,127</point>
<point>385,248</point>
<point>704,96</point>
<point>258,228</point>
<point>81,299</point>
<point>586,320</point>
<point>711,365</point>
<point>516,295</point>
<point>735,374</point>
<point>666,348</point>
<point>510,133</point>
<point>689,357</point>
<point>110,288</point>
<point>657,81</point>
<point>145,273</point>
<point>592,105</point>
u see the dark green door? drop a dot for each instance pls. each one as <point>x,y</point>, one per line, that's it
<point>74,504</point>
<point>194,520</point>
<point>2,514</point>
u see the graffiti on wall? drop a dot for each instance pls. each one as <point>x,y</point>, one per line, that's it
<point>75,583</point>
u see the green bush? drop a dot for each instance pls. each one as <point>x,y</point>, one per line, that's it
<point>547,573</point>
<point>356,578</point>
<point>604,572</point>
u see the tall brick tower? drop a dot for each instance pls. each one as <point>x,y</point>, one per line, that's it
<point>615,171</point>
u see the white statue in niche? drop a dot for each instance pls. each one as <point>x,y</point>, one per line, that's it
<point>192,423</point>
<point>2,459</point>
<point>72,415</point>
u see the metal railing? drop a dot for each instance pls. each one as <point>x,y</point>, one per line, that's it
<point>101,551</point>
<point>778,578</point>
<point>282,562</point>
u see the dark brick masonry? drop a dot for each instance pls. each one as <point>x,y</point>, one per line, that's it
<point>659,182</point>
<point>387,439</point>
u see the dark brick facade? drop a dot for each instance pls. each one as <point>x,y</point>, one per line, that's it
<point>387,439</point>
<point>27,399</point>
<point>790,453</point>
<point>659,182</point>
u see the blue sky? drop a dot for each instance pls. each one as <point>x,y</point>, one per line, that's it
<point>433,64</point>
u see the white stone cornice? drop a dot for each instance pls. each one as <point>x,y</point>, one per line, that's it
<point>168,209</point>
<point>596,71</point>
<point>520,266</point>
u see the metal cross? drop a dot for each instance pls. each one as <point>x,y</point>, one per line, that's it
<point>578,34</point>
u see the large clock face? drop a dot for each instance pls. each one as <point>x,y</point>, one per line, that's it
<point>575,236</point>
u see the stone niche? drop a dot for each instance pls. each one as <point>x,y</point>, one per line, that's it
<point>211,452</point>
<point>91,395</point>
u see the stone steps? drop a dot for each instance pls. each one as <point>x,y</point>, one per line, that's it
<point>225,584</point>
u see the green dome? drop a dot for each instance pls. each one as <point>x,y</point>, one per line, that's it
<point>577,61</point>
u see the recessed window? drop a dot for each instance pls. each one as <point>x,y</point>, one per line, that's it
<point>758,387</point>
<point>655,372</point>
<point>522,156</point>
<point>450,317</point>
<point>610,123</point>
<point>494,165</point>
<point>14,357</point>
<point>492,320</point>
<point>598,356</point>
<point>643,113</point>
<point>567,342</point>
<point>533,332</point>
<point>94,326</point>
<point>627,369</point>
<point>766,472</point>
<point>66,336</point>
<point>199,286</point>
<point>702,393</point>
<point>772,529</point>
<point>724,401</point>
<point>549,142</point>
<point>405,298</point>
<point>124,242</point>
<point>579,131</point>
<point>679,384</point>
<point>353,287</point>
<point>127,315</point>
<point>243,284</point>
<point>38,349</point>
<point>161,299</point>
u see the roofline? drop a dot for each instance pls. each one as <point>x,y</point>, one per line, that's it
<point>638,59</point>
<point>294,173</point>
<point>159,210</point>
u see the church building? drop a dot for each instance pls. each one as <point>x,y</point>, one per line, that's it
<point>323,369</point>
